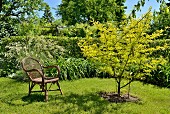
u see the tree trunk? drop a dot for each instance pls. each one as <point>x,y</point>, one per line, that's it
<point>129,89</point>
<point>118,87</point>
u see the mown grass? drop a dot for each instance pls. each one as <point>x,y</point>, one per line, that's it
<point>80,97</point>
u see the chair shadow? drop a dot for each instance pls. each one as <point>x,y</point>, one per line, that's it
<point>18,100</point>
<point>22,99</point>
<point>33,98</point>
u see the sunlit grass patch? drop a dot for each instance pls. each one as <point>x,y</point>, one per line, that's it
<point>81,97</point>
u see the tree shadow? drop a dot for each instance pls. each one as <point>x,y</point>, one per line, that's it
<point>18,100</point>
<point>89,102</point>
<point>13,100</point>
<point>86,102</point>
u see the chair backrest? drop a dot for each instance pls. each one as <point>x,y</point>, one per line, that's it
<point>30,63</point>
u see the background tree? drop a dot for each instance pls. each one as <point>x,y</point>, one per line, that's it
<point>8,27</point>
<point>78,11</point>
<point>123,52</point>
<point>47,16</point>
<point>140,4</point>
<point>30,26</point>
<point>120,11</point>
<point>13,12</point>
<point>20,8</point>
<point>161,19</point>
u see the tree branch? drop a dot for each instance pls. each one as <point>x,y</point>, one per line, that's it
<point>133,26</point>
<point>126,84</point>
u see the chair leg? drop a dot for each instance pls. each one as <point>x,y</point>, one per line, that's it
<point>31,86</point>
<point>46,93</point>
<point>29,91</point>
<point>59,88</point>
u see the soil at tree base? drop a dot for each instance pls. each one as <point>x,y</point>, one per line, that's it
<point>114,97</point>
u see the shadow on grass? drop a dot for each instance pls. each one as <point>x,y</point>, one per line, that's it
<point>18,100</point>
<point>67,104</point>
<point>33,98</point>
<point>90,102</point>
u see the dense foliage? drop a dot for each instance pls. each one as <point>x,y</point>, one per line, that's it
<point>161,75</point>
<point>78,11</point>
<point>76,68</point>
<point>14,12</point>
<point>8,27</point>
<point>20,8</point>
<point>56,39</point>
<point>47,16</point>
<point>161,20</point>
<point>16,48</point>
<point>47,49</point>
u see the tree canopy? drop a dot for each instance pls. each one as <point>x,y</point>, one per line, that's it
<point>78,11</point>
<point>47,16</point>
<point>140,4</point>
<point>14,12</point>
<point>19,8</point>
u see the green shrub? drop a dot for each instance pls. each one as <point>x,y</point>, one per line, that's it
<point>49,50</point>
<point>70,45</point>
<point>45,48</point>
<point>75,68</point>
<point>160,76</point>
<point>14,49</point>
<point>162,52</point>
<point>8,27</point>
<point>77,30</point>
<point>71,69</point>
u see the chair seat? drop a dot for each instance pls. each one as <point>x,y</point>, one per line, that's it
<point>46,80</point>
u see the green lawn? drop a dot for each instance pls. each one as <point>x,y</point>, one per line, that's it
<point>80,97</point>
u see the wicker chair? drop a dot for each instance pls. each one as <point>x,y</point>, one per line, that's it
<point>36,73</point>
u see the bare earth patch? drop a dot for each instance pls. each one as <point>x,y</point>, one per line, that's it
<point>114,97</point>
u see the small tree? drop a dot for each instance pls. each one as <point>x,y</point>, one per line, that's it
<point>124,51</point>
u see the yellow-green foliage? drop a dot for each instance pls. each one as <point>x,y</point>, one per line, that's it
<point>123,51</point>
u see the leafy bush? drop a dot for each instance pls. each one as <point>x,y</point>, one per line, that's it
<point>33,26</point>
<point>70,45</point>
<point>71,69</point>
<point>7,28</point>
<point>160,76</point>
<point>51,51</point>
<point>77,30</point>
<point>14,49</point>
<point>75,68</point>
<point>163,52</point>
